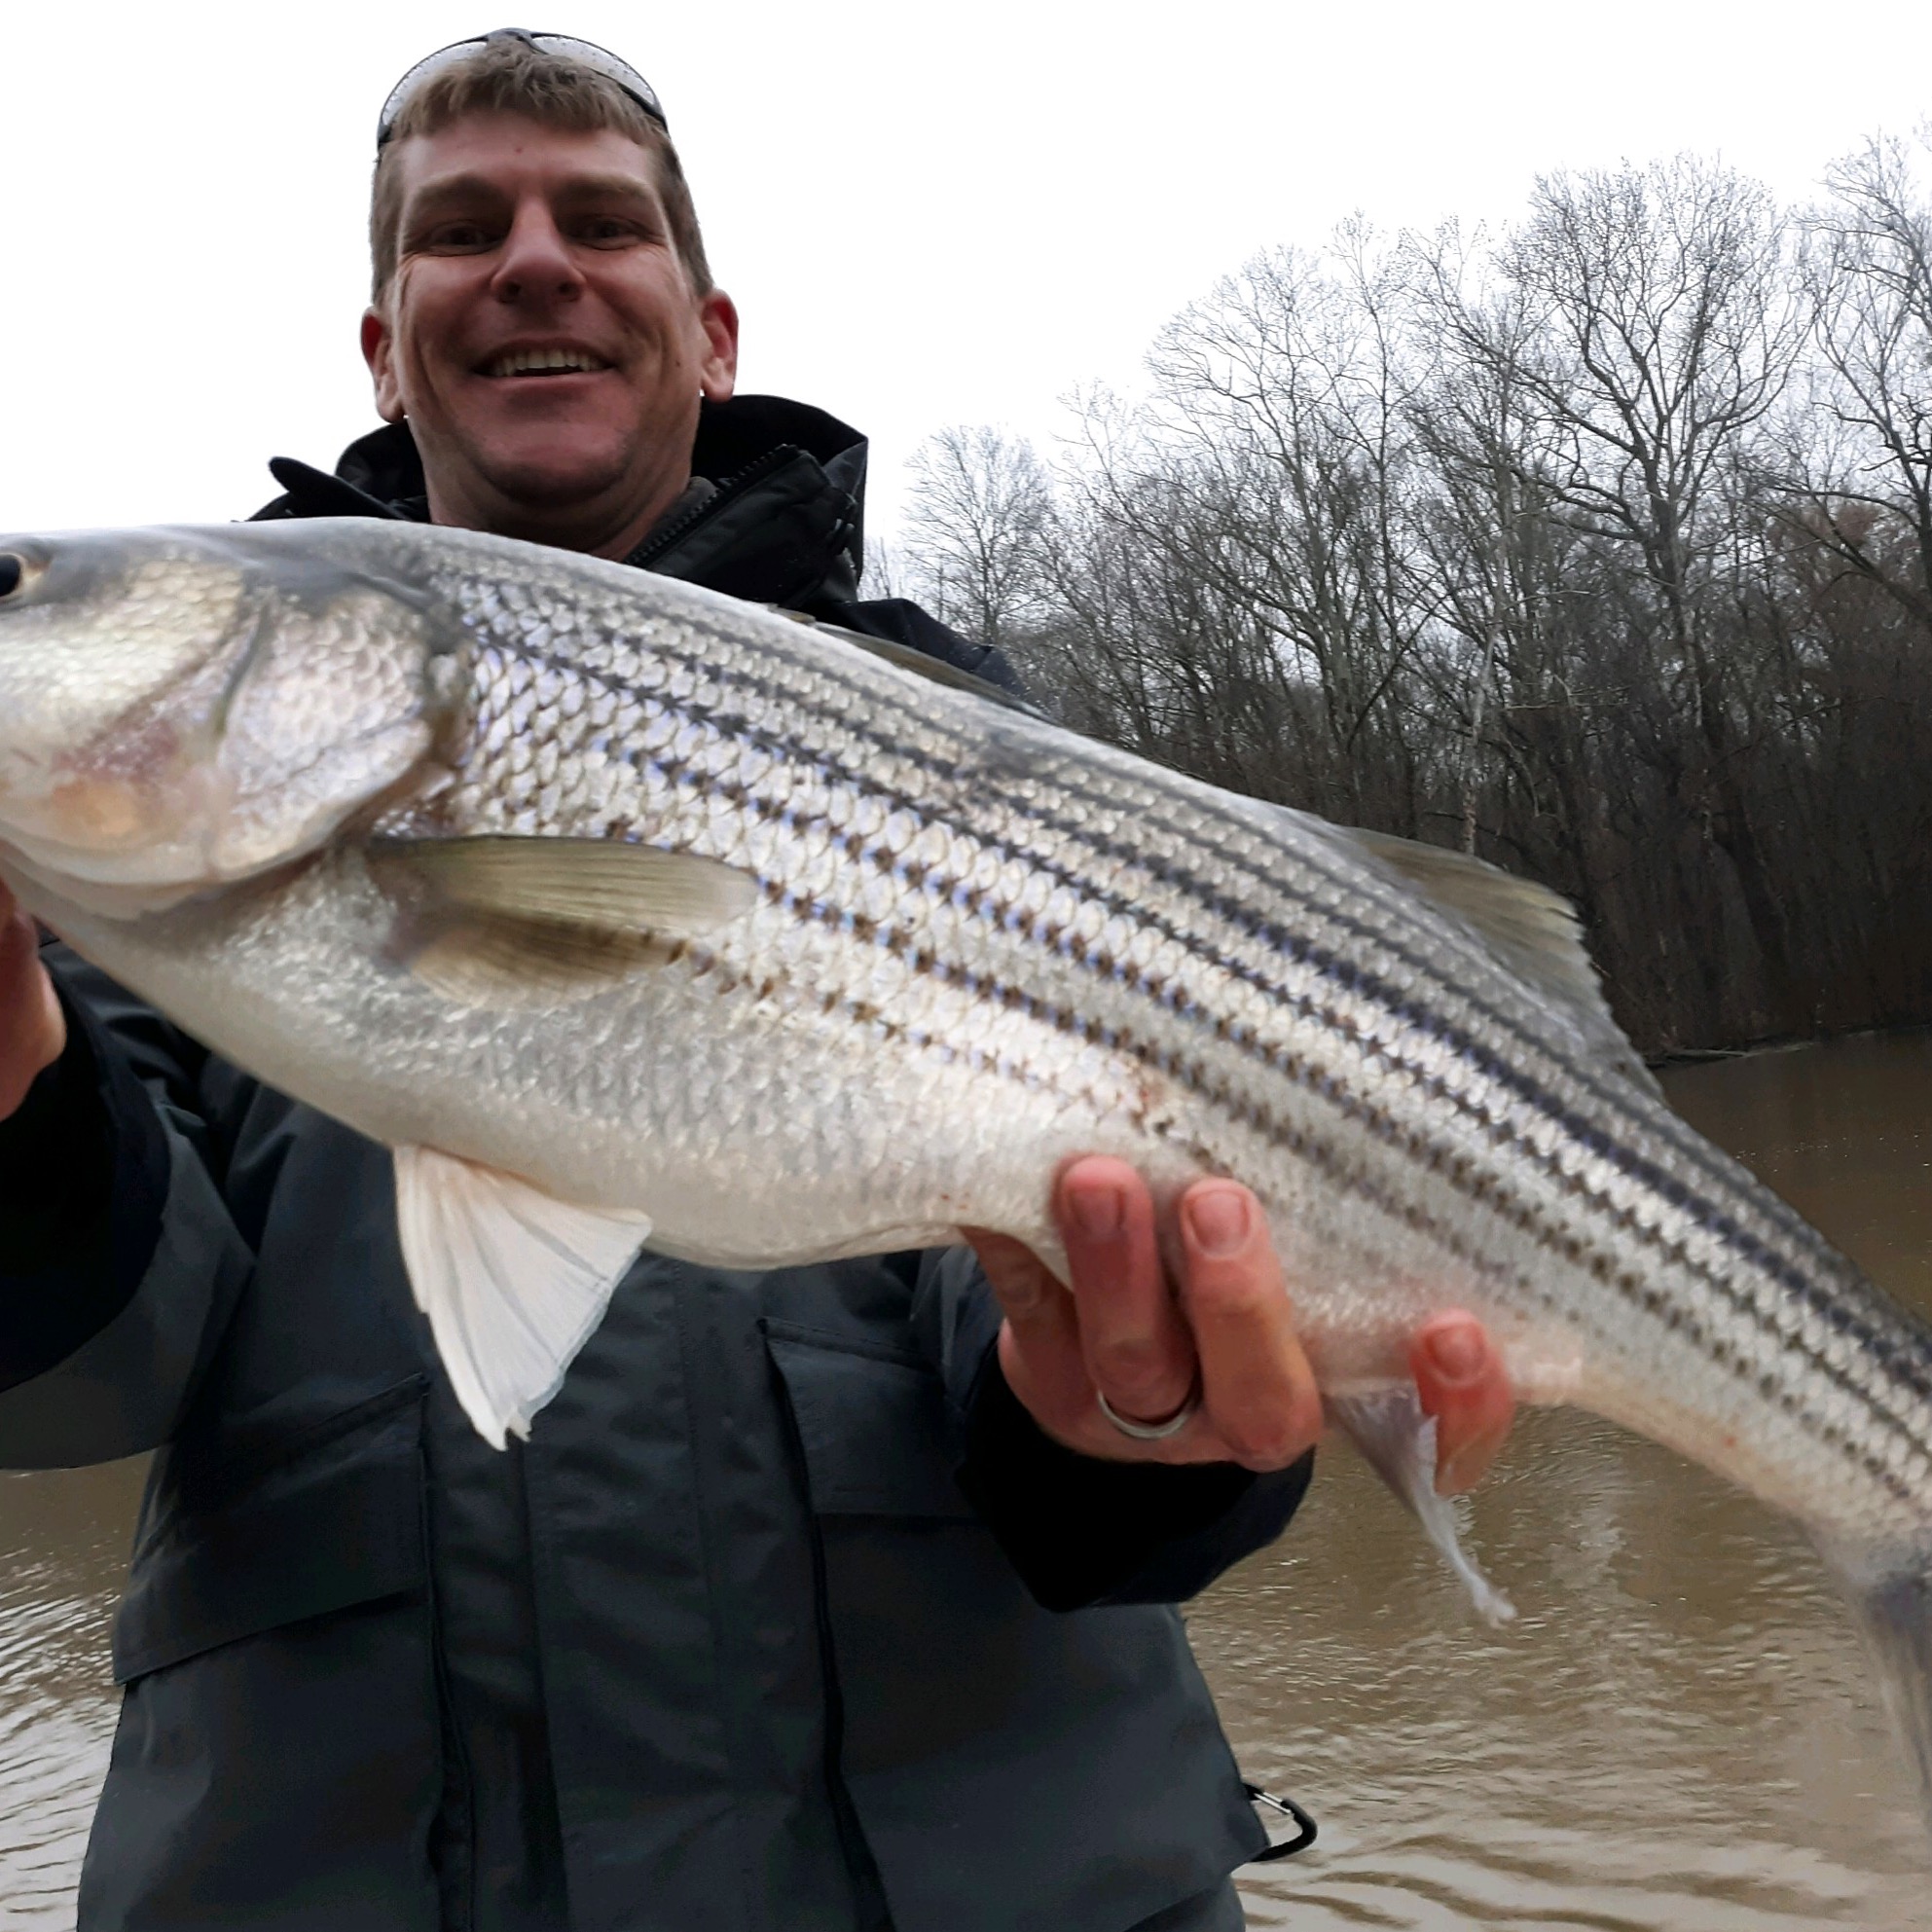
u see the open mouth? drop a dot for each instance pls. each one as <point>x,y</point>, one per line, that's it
<point>527,362</point>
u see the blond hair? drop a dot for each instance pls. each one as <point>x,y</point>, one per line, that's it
<point>512,77</point>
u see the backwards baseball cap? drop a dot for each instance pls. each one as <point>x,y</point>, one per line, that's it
<point>565,46</point>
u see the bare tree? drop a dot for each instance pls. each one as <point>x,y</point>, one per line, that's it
<point>1868,274</point>
<point>1531,544</point>
<point>1668,330</point>
<point>977,503</point>
<point>1501,557</point>
<point>1280,400</point>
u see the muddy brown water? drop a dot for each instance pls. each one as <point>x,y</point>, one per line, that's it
<point>1678,1735</point>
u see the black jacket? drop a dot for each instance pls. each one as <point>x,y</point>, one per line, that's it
<point>784,522</point>
<point>748,1635</point>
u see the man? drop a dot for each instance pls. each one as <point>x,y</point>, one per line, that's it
<point>823,1598</point>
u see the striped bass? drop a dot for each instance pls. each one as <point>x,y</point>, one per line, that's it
<point>625,912</point>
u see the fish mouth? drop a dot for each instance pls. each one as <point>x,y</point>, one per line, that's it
<point>528,361</point>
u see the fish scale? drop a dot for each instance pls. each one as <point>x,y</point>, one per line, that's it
<point>659,908</point>
<point>812,752</point>
<point>845,724</point>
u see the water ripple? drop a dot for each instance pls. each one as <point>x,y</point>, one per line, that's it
<point>1680,1733</point>
<point>63,1543</point>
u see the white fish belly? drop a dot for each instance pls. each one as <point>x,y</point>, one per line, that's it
<point>756,1125</point>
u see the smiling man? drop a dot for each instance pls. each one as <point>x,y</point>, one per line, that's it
<point>546,323</point>
<point>830,1598</point>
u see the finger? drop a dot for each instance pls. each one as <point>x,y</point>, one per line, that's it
<point>1040,1340</point>
<point>1137,1348</point>
<point>1462,1382</point>
<point>33,1030</point>
<point>1257,1384</point>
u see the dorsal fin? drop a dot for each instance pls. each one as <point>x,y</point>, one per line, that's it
<point>1531,929</point>
<point>934,670</point>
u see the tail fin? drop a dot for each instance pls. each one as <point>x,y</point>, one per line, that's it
<point>1890,1589</point>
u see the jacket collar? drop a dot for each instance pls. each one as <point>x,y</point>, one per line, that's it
<point>738,442</point>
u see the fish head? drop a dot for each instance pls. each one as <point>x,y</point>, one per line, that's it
<point>184,707</point>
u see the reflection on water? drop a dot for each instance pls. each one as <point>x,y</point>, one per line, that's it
<point>1678,1735</point>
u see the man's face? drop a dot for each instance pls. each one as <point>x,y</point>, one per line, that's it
<point>540,332</point>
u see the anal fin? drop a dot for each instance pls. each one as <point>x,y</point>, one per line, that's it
<point>1398,1440</point>
<point>513,1280</point>
<point>1889,1588</point>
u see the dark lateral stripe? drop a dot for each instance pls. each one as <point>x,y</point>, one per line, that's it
<point>1610,1091</point>
<point>1213,898</point>
<point>1600,1261</point>
<point>1475,1053</point>
<point>1281,942</point>
<point>1740,1240</point>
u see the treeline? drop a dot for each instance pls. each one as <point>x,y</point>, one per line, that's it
<point>1601,546</point>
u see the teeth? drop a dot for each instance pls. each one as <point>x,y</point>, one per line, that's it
<point>524,361</point>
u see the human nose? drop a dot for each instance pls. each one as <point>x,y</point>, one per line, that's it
<point>536,262</point>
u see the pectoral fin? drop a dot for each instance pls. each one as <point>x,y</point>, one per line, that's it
<point>1398,1440</point>
<point>607,884</point>
<point>501,921</point>
<point>513,1280</point>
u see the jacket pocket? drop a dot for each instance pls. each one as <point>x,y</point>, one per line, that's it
<point>1012,1769</point>
<point>278,1761</point>
<point>334,1519</point>
<point>872,1428</point>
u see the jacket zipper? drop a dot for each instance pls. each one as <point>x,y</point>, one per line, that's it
<point>661,540</point>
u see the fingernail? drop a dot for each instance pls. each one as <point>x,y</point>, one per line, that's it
<point>1456,1353</point>
<point>1218,1218</point>
<point>1098,1212</point>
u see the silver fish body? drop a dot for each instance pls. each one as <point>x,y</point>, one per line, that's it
<point>970,945</point>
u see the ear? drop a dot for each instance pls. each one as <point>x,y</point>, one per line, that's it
<point>717,316</point>
<point>379,350</point>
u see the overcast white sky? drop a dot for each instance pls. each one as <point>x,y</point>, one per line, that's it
<point>928,214</point>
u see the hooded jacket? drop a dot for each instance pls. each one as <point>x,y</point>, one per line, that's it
<point>784,1616</point>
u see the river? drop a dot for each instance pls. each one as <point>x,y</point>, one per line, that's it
<point>1678,1734</point>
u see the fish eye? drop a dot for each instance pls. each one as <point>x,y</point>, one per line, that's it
<point>12,572</point>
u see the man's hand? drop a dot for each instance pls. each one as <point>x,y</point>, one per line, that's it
<point>1224,1329</point>
<point>33,1030</point>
